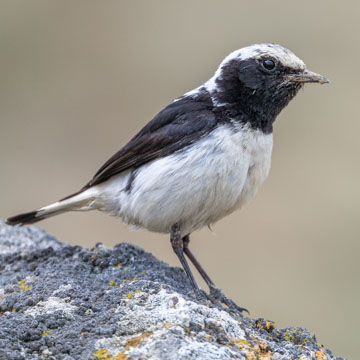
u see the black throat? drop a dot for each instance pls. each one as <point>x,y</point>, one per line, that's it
<point>249,97</point>
<point>245,113</point>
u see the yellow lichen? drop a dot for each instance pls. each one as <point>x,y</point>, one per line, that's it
<point>103,354</point>
<point>23,286</point>
<point>137,340</point>
<point>259,325</point>
<point>120,356</point>
<point>289,337</point>
<point>255,350</point>
<point>130,295</point>
<point>243,341</point>
<point>118,265</point>
<point>46,333</point>
<point>270,325</point>
<point>135,278</point>
<point>240,343</point>
<point>321,355</point>
<point>113,283</point>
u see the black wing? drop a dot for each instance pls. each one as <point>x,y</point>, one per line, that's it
<point>175,127</point>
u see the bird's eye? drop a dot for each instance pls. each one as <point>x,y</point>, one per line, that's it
<point>268,64</point>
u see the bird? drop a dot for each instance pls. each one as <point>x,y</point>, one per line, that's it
<point>199,159</point>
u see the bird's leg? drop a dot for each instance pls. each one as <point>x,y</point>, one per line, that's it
<point>215,293</point>
<point>192,258</point>
<point>178,247</point>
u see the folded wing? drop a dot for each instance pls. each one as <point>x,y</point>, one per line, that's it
<point>175,127</point>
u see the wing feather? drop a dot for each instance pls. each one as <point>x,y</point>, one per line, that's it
<point>175,127</point>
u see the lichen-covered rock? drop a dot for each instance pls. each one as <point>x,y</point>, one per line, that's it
<point>67,302</point>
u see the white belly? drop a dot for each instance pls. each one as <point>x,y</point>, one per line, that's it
<point>195,187</point>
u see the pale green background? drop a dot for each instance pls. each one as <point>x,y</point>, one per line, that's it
<point>78,78</point>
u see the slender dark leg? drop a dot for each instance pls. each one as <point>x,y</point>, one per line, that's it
<point>177,245</point>
<point>215,293</point>
<point>199,268</point>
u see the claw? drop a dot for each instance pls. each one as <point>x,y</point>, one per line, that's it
<point>201,295</point>
<point>216,295</point>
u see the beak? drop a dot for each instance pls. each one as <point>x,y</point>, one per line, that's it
<point>309,77</point>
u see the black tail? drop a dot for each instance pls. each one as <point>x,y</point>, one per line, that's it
<point>77,201</point>
<point>26,218</point>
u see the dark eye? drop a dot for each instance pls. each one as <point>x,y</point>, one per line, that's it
<point>269,64</point>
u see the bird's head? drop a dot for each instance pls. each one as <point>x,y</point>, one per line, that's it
<point>261,78</point>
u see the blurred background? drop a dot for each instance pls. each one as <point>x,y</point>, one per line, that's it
<point>78,79</point>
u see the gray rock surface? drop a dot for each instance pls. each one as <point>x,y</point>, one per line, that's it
<point>66,302</point>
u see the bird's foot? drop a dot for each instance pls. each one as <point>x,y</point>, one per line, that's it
<point>201,296</point>
<point>217,296</point>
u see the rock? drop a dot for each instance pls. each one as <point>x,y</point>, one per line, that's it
<point>66,302</point>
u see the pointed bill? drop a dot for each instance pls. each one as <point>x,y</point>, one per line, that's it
<point>309,77</point>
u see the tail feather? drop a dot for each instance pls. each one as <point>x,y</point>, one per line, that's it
<point>77,201</point>
<point>26,218</point>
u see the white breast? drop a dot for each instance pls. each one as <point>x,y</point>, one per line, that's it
<point>195,187</point>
